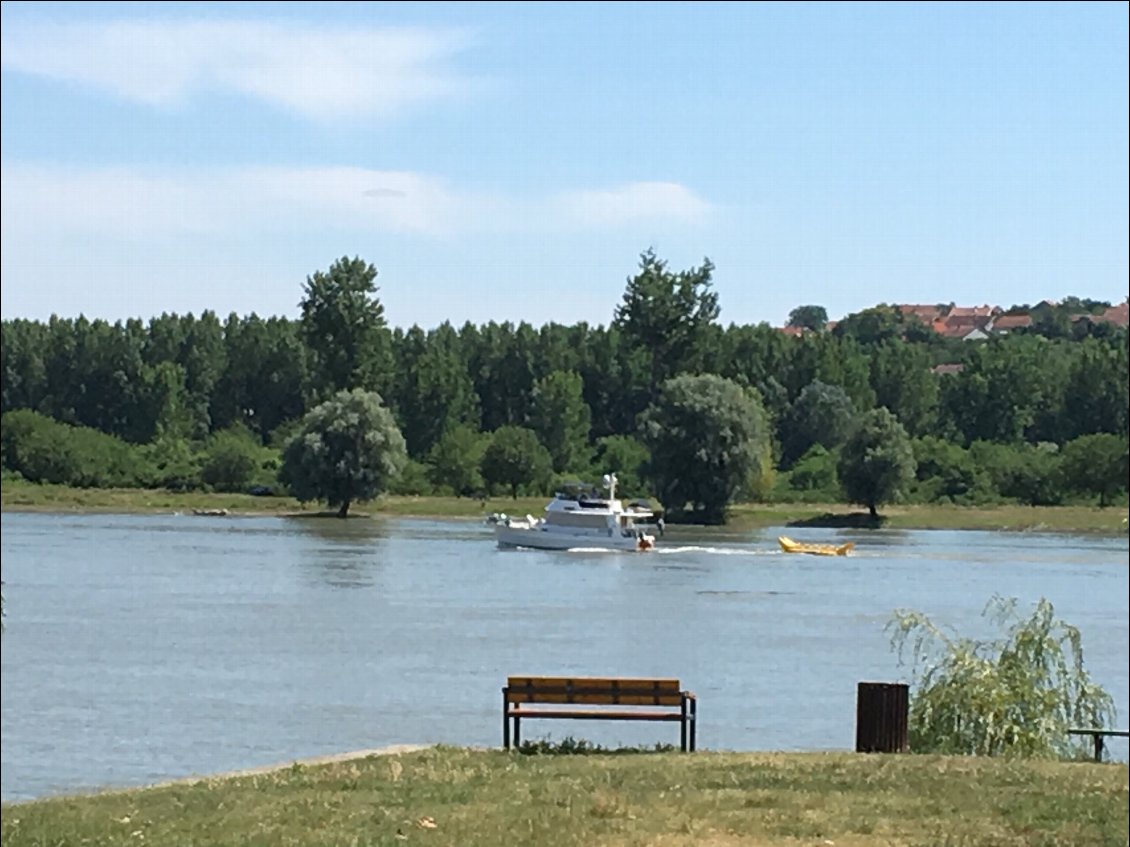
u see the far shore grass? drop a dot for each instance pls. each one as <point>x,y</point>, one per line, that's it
<point>453,796</point>
<point>23,496</point>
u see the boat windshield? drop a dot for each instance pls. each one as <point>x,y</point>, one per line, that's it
<point>578,491</point>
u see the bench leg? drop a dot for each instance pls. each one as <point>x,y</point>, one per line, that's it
<point>694,721</point>
<point>1098,747</point>
<point>683,728</point>
<point>686,740</point>
<point>505,722</point>
<point>687,717</point>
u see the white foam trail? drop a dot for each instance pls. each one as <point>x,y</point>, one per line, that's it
<point>718,551</point>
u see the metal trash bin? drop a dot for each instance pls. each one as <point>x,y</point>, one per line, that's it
<point>881,717</point>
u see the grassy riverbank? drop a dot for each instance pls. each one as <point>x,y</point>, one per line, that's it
<point>22,496</point>
<point>449,796</point>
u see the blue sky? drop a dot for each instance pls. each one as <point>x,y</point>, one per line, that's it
<point>512,161</point>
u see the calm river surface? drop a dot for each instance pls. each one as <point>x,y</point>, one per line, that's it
<point>143,648</point>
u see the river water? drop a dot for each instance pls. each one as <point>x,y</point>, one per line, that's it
<point>144,648</point>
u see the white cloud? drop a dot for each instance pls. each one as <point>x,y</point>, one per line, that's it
<point>316,71</point>
<point>116,242</point>
<point>637,201</point>
<point>140,204</point>
<point>143,204</point>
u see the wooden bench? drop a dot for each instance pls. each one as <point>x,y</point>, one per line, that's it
<point>1098,735</point>
<point>597,698</point>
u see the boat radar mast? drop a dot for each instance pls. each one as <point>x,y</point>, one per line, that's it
<point>610,483</point>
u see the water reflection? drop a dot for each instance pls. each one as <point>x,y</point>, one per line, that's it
<point>330,529</point>
<point>342,553</point>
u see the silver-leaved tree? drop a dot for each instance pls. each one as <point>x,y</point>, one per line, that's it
<point>347,449</point>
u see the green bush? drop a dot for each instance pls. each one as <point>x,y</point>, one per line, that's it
<point>171,463</point>
<point>453,462</point>
<point>233,459</point>
<point>947,473</point>
<point>1025,473</point>
<point>626,457</point>
<point>515,460</point>
<point>413,480</point>
<point>815,472</point>
<point>43,450</point>
<point>1096,465</point>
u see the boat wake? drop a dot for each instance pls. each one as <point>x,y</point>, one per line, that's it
<point>716,551</point>
<point>667,551</point>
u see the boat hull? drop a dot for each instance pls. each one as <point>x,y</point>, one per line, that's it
<point>538,538</point>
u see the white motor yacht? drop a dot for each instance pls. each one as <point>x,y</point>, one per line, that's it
<point>580,517</point>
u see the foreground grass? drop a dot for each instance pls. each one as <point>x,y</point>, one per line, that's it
<point>24,496</point>
<point>449,796</point>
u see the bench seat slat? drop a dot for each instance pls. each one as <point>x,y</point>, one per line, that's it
<point>602,714</point>
<point>660,684</point>
<point>593,698</point>
<point>595,691</point>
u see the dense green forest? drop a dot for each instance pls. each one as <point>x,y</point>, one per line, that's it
<point>857,412</point>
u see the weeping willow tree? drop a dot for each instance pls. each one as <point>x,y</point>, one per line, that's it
<point>1014,695</point>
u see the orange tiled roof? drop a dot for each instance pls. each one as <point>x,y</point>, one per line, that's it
<point>1118,315</point>
<point>959,326</point>
<point>959,321</point>
<point>1009,322</point>
<point>985,311</point>
<point>926,314</point>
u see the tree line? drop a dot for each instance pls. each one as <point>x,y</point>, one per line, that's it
<point>681,406</point>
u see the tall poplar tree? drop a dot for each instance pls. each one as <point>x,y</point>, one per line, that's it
<point>344,327</point>
<point>562,419</point>
<point>667,315</point>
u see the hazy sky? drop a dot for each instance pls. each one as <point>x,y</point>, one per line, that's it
<point>512,161</point>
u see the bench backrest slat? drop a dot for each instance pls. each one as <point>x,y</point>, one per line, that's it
<point>594,691</point>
